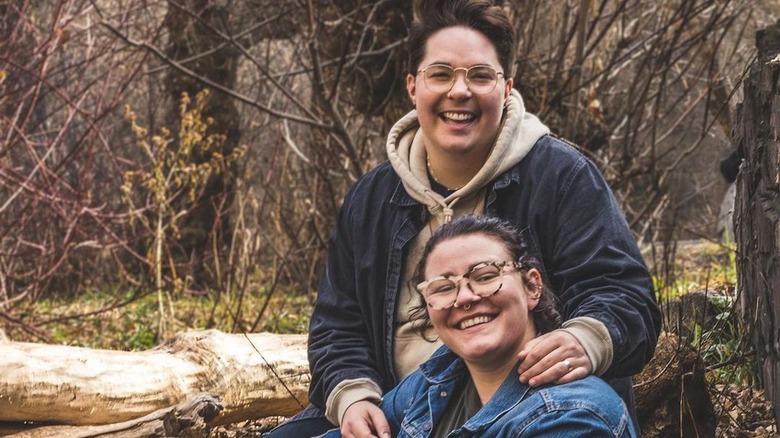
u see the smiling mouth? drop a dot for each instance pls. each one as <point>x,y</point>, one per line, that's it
<point>477,320</point>
<point>457,116</point>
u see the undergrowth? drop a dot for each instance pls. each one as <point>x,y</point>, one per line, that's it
<point>719,336</point>
<point>100,320</point>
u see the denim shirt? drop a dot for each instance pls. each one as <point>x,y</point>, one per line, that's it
<point>567,210</point>
<point>583,408</point>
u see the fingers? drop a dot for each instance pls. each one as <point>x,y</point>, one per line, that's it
<point>364,419</point>
<point>568,370</point>
<point>379,421</point>
<point>555,357</point>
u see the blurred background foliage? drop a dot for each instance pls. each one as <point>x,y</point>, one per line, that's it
<point>300,97</point>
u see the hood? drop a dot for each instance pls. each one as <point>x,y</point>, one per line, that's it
<point>406,152</point>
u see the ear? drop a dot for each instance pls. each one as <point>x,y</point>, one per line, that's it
<point>508,87</point>
<point>411,88</point>
<point>533,286</point>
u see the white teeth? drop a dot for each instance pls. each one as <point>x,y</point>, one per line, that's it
<point>459,117</point>
<point>474,321</point>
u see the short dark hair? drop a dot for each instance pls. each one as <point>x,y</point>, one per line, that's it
<point>546,315</point>
<point>484,16</point>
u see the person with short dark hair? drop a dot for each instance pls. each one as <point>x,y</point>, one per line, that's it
<point>469,147</point>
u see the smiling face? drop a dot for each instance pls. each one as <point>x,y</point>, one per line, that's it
<point>492,330</point>
<point>459,122</point>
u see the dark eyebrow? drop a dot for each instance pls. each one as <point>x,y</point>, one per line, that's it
<point>450,274</point>
<point>447,64</point>
<point>445,275</point>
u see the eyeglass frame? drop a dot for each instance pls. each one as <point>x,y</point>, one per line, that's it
<point>455,279</point>
<point>455,77</point>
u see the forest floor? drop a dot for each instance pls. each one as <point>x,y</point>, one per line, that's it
<point>743,412</point>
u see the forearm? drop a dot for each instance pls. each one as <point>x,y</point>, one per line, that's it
<point>348,392</point>
<point>594,337</point>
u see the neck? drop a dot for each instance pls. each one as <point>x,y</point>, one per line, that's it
<point>489,375</point>
<point>487,379</point>
<point>453,172</point>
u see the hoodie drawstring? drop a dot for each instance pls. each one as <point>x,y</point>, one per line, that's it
<point>447,210</point>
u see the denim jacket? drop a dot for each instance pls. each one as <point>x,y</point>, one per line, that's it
<point>583,408</point>
<point>567,210</point>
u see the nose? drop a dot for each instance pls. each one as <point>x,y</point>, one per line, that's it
<point>462,298</point>
<point>460,86</point>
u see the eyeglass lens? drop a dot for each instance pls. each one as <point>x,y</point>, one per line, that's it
<point>479,79</point>
<point>483,280</point>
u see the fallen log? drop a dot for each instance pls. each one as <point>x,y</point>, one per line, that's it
<point>202,379</point>
<point>253,376</point>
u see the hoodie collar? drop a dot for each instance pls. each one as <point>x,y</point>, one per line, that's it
<point>407,154</point>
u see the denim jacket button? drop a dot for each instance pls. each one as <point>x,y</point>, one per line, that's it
<point>427,426</point>
<point>443,394</point>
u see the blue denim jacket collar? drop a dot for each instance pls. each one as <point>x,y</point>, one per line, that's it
<point>442,366</point>
<point>444,370</point>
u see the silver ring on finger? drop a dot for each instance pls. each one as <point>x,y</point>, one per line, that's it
<point>567,364</point>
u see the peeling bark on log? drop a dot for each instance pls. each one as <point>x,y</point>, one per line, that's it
<point>757,137</point>
<point>187,420</point>
<point>254,376</point>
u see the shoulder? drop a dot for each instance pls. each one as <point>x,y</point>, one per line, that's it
<point>588,397</point>
<point>396,402</point>
<point>556,159</point>
<point>381,177</point>
<point>580,390</point>
<point>552,164</point>
<point>379,172</point>
<point>551,159</point>
<point>581,409</point>
<point>377,185</point>
<point>442,366</point>
<point>551,147</point>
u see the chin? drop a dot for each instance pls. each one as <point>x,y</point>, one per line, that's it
<point>474,352</point>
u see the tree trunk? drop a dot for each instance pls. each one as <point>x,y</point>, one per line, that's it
<point>758,208</point>
<point>253,376</point>
<point>194,28</point>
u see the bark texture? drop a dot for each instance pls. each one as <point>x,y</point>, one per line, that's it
<point>187,420</point>
<point>252,376</point>
<point>757,137</point>
<point>671,393</point>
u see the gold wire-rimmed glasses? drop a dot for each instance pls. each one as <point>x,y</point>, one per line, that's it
<point>483,279</point>
<point>480,79</point>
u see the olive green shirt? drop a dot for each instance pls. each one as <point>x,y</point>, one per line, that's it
<point>463,405</point>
